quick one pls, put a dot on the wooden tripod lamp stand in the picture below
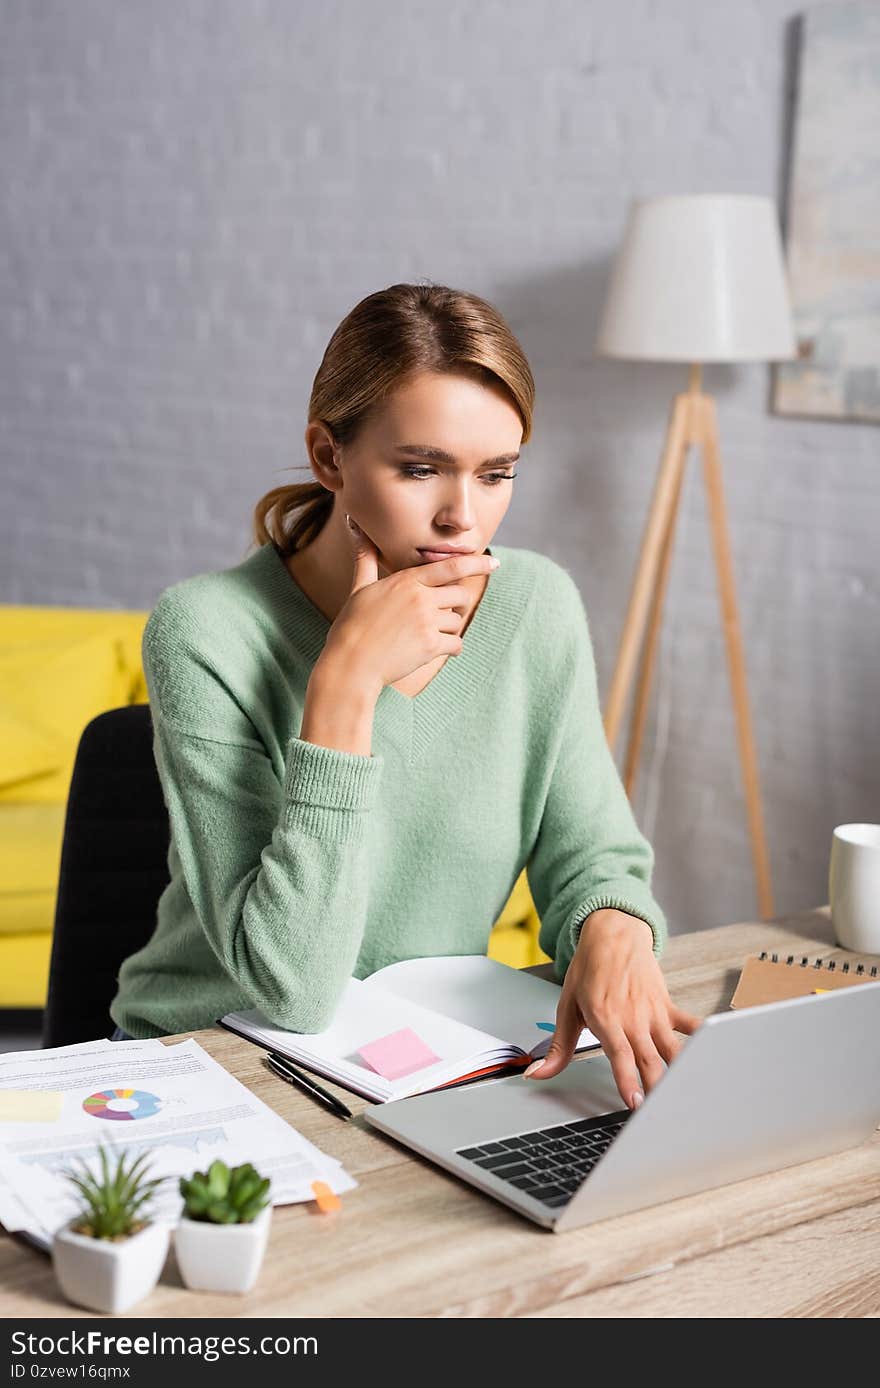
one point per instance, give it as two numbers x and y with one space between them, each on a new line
697 279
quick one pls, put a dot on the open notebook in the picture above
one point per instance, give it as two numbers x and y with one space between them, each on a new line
422 1024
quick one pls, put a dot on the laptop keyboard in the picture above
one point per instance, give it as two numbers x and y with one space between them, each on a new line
550 1163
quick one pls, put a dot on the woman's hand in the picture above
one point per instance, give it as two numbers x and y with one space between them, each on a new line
391 626
614 986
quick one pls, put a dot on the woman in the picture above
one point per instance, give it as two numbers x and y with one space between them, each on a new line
367 728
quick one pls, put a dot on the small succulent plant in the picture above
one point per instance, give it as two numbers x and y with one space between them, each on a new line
222 1195
114 1203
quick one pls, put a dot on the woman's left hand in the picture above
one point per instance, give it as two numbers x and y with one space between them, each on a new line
614 985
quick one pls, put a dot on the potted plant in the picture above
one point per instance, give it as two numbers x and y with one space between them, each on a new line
223 1230
110 1254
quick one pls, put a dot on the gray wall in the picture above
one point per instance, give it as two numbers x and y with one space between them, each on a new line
194 193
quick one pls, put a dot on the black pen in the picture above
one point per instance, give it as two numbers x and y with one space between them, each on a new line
282 1067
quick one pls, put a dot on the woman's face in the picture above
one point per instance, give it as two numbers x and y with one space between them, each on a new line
405 502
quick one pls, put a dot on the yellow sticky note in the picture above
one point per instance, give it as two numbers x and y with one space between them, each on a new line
30 1105
821 990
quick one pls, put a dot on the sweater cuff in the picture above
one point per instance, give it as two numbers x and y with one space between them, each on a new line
623 896
324 787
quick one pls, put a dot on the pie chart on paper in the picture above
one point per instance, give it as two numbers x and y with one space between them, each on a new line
125 1104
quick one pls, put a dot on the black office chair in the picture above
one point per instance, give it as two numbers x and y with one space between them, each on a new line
114 868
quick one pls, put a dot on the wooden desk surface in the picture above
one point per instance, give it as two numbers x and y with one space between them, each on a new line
413 1240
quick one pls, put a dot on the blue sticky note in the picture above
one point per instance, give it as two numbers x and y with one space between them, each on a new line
546 1026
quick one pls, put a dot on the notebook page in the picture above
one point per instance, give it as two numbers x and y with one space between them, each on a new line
363 1016
481 992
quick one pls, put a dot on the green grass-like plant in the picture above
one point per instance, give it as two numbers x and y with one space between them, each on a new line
114 1203
222 1195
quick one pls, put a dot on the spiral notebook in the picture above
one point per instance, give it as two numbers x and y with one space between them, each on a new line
774 977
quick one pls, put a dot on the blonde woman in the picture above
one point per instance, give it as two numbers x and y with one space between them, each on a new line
367 728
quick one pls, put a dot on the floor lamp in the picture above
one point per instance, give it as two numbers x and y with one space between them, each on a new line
697 279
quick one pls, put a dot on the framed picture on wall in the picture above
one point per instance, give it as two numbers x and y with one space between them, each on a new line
833 235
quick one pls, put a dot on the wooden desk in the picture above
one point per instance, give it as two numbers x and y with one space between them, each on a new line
799 1242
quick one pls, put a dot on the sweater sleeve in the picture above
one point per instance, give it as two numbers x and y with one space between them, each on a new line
589 852
277 872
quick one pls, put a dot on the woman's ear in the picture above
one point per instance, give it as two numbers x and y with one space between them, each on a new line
322 450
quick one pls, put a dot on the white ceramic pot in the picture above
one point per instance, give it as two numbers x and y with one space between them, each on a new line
107 1275
221 1257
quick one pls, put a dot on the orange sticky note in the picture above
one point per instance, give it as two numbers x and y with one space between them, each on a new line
325 1197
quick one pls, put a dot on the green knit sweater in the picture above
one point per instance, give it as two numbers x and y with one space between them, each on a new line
295 866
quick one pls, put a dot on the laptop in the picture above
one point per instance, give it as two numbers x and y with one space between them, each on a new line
750 1091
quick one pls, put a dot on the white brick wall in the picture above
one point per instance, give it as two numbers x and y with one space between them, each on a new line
194 193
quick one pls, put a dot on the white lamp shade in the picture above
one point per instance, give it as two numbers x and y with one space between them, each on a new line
699 279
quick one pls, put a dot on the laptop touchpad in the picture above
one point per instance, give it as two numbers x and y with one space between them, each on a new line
455 1118
584 1089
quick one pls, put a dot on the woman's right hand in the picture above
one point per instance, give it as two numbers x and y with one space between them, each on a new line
391 626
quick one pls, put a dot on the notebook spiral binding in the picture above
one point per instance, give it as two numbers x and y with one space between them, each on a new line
830 966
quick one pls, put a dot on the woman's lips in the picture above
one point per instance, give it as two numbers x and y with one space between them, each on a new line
433 556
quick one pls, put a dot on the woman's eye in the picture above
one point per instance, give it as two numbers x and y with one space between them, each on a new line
492 478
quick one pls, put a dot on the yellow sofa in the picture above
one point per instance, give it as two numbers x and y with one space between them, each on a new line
59 668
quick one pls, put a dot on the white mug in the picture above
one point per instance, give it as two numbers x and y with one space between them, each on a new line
854 887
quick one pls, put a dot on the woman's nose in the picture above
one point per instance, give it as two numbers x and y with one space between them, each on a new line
458 509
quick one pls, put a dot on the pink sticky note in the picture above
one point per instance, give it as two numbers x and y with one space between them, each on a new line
399 1053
